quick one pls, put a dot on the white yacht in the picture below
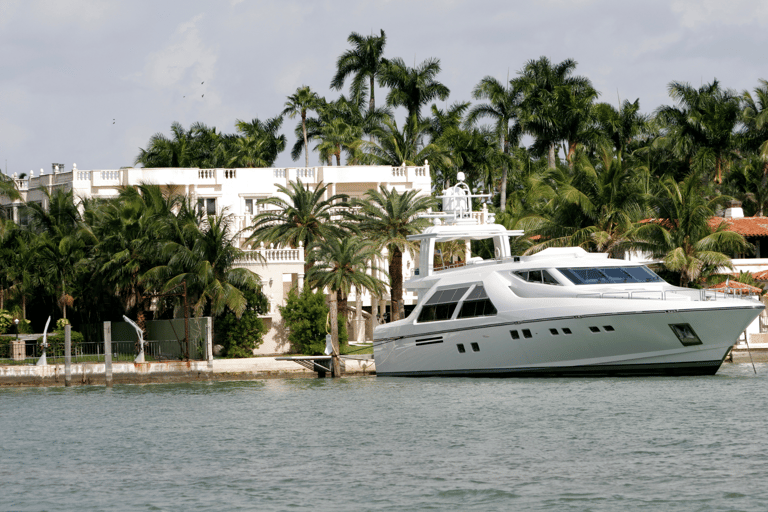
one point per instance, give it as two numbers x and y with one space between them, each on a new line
560 312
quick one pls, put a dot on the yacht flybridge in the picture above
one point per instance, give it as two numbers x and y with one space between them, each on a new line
560 312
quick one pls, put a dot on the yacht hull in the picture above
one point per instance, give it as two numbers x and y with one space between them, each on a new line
589 342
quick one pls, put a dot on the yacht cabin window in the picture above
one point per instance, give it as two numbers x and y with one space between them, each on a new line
477 303
610 275
442 304
536 276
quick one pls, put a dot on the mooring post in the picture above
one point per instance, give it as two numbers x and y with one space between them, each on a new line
209 341
335 365
108 352
67 355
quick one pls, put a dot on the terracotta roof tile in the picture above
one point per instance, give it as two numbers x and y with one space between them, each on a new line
735 286
761 276
747 226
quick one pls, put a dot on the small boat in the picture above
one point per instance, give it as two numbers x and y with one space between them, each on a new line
560 312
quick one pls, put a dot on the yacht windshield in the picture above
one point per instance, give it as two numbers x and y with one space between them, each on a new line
610 275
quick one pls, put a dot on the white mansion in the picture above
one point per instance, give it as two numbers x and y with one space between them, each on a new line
236 192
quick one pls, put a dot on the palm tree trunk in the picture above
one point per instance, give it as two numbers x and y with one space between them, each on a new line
396 275
504 173
551 156
571 153
336 366
304 131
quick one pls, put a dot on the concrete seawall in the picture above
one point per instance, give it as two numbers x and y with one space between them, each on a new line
167 371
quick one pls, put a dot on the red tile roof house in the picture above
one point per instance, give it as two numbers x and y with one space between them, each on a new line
755 230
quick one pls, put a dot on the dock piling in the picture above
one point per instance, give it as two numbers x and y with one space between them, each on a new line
67 355
108 352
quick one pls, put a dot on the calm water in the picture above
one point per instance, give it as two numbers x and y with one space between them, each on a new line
368 443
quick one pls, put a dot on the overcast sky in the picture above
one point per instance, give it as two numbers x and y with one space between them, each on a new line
88 81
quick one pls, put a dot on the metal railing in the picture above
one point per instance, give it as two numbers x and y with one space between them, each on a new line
92 352
691 294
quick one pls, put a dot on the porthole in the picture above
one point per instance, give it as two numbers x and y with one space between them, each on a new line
609 328
475 347
515 335
594 329
554 332
527 333
566 330
461 348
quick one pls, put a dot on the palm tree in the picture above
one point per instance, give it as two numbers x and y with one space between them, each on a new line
340 264
164 152
8 189
681 234
336 136
388 217
551 94
749 181
259 144
595 207
20 266
298 104
755 118
61 244
702 127
131 231
395 147
205 262
413 88
621 127
502 108
298 216
364 61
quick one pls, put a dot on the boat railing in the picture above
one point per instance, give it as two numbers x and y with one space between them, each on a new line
691 294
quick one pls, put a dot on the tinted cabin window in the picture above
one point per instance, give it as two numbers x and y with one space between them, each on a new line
610 275
441 305
536 276
477 303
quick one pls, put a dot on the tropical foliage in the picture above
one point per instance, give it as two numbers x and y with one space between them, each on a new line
568 169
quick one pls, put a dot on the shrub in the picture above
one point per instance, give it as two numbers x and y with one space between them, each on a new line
240 337
6 321
305 316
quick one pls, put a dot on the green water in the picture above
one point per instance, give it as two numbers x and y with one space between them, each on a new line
368 443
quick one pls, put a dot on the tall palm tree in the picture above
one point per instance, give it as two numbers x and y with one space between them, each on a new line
754 115
749 182
621 127
702 127
552 94
413 88
502 108
298 215
364 61
681 234
388 217
299 103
